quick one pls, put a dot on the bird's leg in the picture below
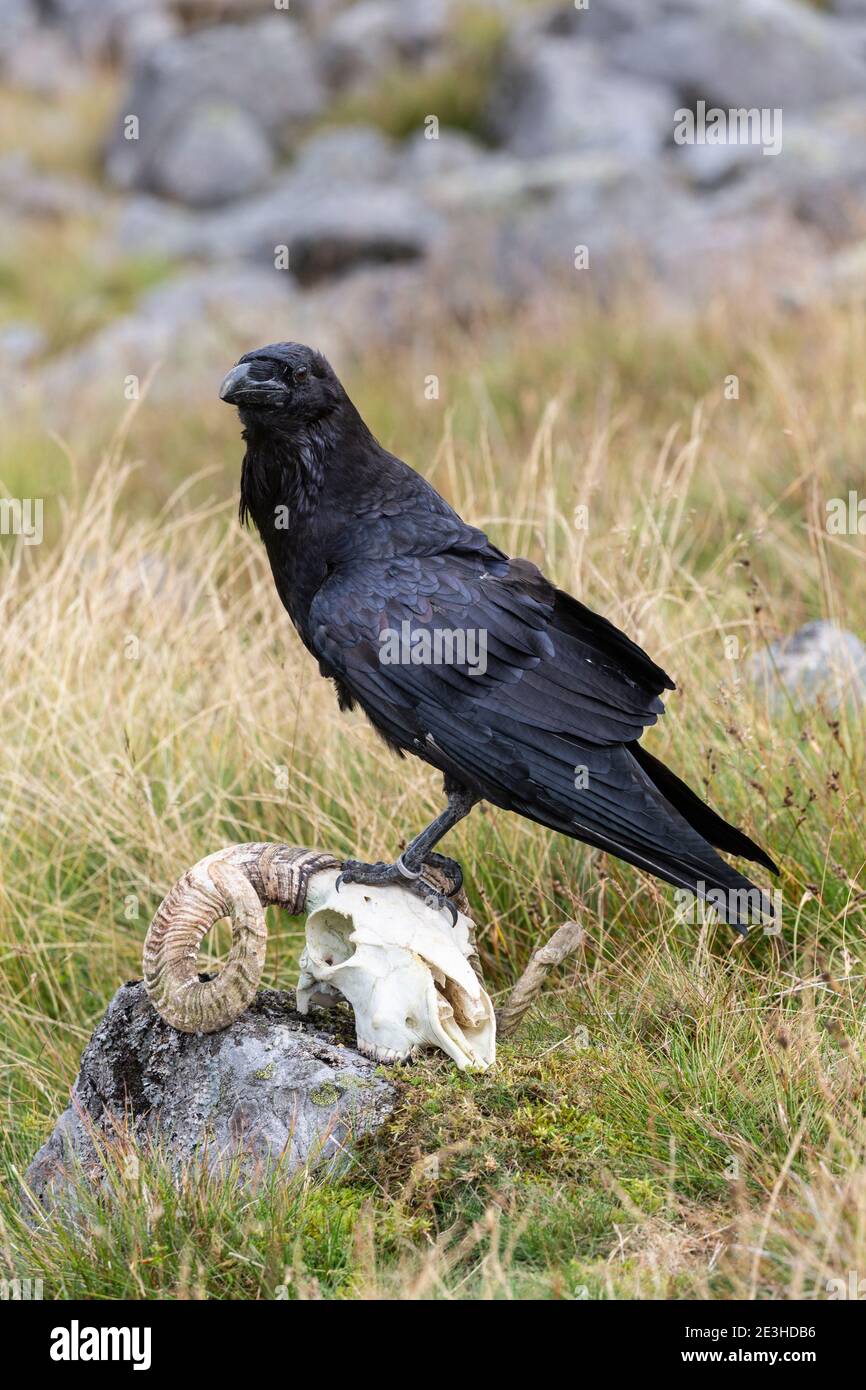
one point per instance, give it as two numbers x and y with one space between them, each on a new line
407 869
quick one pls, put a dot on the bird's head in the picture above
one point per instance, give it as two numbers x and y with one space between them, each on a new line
292 409
283 388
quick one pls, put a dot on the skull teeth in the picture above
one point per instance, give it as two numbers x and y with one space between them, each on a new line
385 1054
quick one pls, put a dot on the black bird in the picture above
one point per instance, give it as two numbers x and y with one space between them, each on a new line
376 569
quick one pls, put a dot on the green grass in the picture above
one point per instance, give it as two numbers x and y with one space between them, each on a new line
455 86
59 277
680 1117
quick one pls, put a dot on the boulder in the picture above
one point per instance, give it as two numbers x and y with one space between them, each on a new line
819 660
267 69
357 153
148 226
274 1089
218 154
105 28
555 95
821 173
367 39
452 152
328 230
763 53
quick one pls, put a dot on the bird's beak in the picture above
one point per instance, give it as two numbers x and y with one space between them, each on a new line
244 386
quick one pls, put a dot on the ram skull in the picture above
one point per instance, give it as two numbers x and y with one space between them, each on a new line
404 969
410 976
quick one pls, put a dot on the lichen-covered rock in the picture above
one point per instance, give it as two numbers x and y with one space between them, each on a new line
819 660
273 1089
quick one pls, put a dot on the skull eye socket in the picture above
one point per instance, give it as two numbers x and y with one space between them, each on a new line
329 937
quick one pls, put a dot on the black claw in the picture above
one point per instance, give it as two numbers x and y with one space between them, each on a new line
451 909
432 899
380 875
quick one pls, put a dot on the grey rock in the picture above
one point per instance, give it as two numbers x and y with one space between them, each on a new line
314 14
220 153
372 306
820 174
185 329
453 152
327 231
500 181
637 225
711 166
764 53
143 30
151 226
369 38
357 153
20 22
556 96
27 192
603 24
20 343
274 1090
42 61
819 660
267 69
99 28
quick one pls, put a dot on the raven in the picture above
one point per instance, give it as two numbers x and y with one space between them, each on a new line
518 693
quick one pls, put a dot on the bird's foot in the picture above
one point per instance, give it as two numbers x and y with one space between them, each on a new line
449 867
377 875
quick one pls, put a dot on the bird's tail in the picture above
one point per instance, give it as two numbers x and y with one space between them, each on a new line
667 831
737 900
698 814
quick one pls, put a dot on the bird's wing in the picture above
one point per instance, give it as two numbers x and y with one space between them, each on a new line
537 716
547 660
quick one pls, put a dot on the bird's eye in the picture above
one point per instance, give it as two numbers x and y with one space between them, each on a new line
300 373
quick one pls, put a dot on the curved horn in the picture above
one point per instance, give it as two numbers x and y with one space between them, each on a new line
239 883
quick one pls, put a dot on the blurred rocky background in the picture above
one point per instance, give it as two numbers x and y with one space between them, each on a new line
181 178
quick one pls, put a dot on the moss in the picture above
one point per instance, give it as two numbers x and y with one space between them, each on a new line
326 1094
455 89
